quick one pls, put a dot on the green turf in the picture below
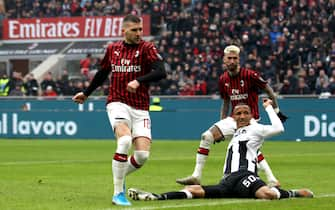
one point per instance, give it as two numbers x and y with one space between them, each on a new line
76 175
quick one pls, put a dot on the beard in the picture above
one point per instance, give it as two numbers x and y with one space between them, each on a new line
233 69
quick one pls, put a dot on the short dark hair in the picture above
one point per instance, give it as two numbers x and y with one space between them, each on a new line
132 18
241 104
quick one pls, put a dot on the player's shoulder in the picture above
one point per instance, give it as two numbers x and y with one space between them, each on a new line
247 70
114 44
224 75
256 128
147 44
250 73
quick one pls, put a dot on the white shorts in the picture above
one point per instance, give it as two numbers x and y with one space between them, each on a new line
227 126
137 120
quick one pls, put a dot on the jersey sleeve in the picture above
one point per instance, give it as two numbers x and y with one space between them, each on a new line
152 53
258 80
276 126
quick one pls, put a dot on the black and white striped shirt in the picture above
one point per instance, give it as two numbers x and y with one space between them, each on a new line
242 150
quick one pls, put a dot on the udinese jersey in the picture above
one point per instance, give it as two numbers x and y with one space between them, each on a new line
242 150
242 88
127 62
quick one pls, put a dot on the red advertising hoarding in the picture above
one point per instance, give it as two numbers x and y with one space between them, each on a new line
66 28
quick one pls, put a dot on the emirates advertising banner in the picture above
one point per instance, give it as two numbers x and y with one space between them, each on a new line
67 28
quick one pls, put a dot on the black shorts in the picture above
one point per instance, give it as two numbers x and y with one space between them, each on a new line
236 185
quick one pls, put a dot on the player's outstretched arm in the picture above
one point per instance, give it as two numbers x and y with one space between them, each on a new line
276 126
273 97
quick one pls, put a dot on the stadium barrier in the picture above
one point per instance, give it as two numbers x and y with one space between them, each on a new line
182 118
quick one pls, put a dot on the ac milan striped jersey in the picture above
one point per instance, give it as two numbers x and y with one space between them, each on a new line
242 88
242 149
126 63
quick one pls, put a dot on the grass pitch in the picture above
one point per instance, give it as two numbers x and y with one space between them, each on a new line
76 175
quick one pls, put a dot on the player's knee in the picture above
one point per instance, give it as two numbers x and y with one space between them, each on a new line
266 193
141 156
123 144
207 139
196 190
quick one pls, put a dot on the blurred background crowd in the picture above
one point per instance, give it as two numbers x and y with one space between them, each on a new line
290 42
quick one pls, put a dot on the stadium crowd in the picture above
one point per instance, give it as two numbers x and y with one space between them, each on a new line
290 42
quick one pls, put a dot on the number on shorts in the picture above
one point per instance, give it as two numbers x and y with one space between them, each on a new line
146 123
247 182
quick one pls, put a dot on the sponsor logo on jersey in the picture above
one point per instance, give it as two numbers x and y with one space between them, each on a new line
116 68
236 96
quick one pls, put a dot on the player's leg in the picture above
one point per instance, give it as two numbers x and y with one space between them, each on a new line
141 132
140 156
216 133
189 192
271 193
264 166
120 120
251 186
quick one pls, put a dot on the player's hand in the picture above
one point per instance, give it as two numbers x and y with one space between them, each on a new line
132 86
79 98
282 117
267 102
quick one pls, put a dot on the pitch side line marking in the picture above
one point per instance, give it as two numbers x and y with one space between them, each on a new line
153 159
207 204
49 162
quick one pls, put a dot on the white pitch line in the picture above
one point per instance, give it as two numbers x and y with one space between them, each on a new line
214 203
152 159
48 162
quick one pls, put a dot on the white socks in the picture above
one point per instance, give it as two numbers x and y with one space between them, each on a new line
137 160
207 140
119 164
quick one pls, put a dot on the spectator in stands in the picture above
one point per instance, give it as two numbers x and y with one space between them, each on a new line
63 84
49 91
31 85
4 85
322 86
311 79
16 91
286 87
85 64
48 81
302 87
331 85
321 79
16 84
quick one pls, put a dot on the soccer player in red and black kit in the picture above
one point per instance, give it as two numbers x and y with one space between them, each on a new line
237 85
132 64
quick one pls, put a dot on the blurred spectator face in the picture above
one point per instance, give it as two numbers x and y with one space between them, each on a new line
301 82
311 72
322 73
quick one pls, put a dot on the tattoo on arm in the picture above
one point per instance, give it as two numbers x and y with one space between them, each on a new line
269 91
225 108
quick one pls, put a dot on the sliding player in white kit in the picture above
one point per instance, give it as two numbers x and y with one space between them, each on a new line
240 178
